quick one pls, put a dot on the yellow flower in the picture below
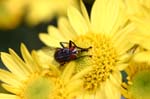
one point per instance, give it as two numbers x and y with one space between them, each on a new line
35 11
65 86
141 18
27 80
44 10
10 13
107 31
138 71
138 84
137 7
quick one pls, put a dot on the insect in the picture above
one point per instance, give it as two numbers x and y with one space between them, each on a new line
69 52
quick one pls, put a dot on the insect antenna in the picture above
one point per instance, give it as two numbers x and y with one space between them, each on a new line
85 49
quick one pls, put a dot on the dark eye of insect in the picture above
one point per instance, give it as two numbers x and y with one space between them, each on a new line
69 53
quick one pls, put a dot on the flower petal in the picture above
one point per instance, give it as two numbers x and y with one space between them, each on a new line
143 57
121 39
100 94
143 34
68 71
9 78
27 58
89 96
77 21
12 89
8 96
85 13
116 78
111 91
51 42
20 63
104 15
12 65
66 29
55 34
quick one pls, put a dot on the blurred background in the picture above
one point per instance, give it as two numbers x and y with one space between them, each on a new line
22 34
21 21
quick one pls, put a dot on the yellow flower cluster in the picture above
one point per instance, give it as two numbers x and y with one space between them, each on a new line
12 12
87 56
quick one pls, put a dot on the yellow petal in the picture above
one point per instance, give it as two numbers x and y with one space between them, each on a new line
8 96
66 29
12 89
133 7
121 66
85 13
37 66
143 57
142 36
27 58
9 78
121 39
89 96
20 63
81 73
11 65
77 21
45 57
55 34
100 93
48 40
104 15
111 91
116 78
68 71
74 86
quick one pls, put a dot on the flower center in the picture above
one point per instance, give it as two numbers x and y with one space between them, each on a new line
103 60
38 87
59 91
140 88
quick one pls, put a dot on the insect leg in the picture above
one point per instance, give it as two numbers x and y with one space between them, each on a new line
71 42
84 56
62 44
82 49
85 49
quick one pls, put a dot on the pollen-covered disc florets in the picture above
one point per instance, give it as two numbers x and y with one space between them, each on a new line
38 88
103 60
141 85
138 85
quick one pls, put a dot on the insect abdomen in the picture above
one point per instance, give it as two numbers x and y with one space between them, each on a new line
62 55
